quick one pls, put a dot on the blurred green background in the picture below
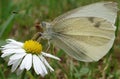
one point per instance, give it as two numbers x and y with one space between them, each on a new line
19 20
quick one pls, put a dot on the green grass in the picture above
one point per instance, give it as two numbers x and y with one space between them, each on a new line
21 26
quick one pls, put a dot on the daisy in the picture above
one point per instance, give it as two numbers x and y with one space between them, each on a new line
25 55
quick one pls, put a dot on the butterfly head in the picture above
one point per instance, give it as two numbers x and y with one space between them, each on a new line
47 30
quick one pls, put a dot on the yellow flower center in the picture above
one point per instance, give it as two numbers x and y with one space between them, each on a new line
32 46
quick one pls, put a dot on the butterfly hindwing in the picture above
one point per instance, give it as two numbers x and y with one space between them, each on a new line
90 37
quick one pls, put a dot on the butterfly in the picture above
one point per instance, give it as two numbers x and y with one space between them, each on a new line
86 33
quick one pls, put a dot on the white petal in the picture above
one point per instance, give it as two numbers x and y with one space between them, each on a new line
39 67
14 51
11 41
27 62
11 62
24 61
35 65
17 56
51 56
6 54
16 64
46 63
9 46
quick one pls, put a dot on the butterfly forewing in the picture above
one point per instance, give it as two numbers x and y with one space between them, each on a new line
82 26
106 10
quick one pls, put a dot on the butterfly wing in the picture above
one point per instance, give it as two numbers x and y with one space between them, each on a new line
86 33
106 10
70 48
84 39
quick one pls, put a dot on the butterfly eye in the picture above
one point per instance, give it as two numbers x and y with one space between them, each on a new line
43 24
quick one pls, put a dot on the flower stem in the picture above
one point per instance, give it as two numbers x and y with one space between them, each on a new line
30 75
23 74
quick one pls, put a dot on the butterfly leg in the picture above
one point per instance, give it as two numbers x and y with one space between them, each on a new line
48 46
37 36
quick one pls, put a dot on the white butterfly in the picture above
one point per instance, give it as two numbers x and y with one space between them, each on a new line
86 33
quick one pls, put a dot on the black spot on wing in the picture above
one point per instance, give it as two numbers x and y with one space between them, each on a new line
97 24
91 19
